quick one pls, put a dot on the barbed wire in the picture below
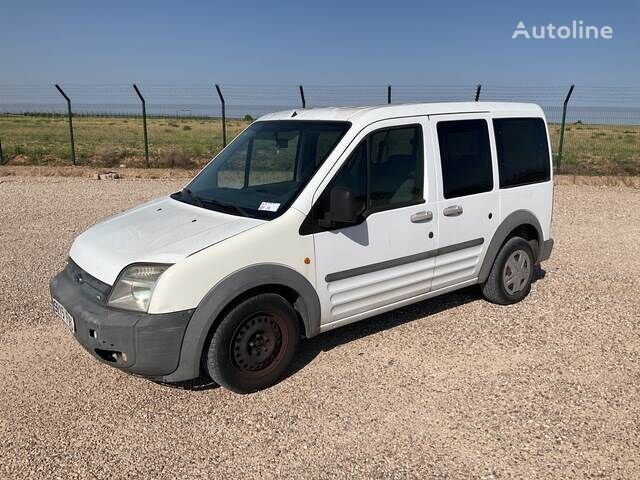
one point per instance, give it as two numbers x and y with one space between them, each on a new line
611 103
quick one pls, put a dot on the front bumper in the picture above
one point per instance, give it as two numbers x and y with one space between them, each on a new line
138 343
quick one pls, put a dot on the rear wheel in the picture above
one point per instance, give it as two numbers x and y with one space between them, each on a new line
510 278
253 346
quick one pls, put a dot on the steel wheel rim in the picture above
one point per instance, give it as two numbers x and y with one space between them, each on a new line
516 272
257 343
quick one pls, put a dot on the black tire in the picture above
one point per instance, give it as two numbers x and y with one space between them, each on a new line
497 289
254 344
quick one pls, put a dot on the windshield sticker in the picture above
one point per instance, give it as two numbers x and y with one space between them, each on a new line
269 206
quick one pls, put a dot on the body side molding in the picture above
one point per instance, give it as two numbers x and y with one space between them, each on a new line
374 267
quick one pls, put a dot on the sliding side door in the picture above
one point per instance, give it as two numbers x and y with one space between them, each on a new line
468 200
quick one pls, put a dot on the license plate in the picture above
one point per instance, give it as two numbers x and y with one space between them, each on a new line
66 317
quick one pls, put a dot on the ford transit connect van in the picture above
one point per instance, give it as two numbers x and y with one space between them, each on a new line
307 221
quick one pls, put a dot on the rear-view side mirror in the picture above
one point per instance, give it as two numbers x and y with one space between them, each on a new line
343 205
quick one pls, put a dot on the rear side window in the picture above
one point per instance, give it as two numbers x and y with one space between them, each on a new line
465 157
523 151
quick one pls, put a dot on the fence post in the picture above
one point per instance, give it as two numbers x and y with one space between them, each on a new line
70 115
304 102
388 93
478 88
144 124
1 155
224 117
564 118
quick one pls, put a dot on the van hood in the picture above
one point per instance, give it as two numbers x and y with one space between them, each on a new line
161 231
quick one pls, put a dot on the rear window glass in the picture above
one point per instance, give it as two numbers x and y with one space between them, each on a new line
523 151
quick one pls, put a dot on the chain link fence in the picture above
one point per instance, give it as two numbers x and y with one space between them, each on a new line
184 125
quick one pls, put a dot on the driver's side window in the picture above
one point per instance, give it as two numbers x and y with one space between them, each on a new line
385 171
352 176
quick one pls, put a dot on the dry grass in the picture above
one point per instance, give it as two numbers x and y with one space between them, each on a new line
113 141
599 149
189 143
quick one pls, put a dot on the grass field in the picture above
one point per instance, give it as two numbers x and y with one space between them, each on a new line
599 149
114 141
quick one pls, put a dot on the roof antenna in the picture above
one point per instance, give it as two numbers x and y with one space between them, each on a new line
294 114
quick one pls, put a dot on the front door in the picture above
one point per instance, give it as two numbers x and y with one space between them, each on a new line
390 255
468 200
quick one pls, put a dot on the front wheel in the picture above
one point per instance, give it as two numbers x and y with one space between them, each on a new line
512 273
254 344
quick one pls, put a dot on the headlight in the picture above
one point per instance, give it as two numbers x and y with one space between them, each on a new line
134 286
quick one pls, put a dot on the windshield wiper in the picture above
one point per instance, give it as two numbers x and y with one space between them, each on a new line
226 206
193 199
189 197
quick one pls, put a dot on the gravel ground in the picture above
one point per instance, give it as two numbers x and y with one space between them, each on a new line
449 388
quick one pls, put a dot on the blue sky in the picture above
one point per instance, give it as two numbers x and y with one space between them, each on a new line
315 42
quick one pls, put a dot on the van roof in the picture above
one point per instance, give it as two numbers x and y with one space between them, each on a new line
379 112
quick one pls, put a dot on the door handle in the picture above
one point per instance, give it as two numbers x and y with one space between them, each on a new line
421 217
452 211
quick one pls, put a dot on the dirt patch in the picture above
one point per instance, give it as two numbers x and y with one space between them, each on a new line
91 172
175 158
449 388
598 181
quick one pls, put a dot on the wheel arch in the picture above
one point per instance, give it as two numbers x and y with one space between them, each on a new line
521 223
242 284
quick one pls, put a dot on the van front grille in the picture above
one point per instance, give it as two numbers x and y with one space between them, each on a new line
79 276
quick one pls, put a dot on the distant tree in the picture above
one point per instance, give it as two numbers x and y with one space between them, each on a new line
247 118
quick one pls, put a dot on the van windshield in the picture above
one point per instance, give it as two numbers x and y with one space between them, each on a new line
264 169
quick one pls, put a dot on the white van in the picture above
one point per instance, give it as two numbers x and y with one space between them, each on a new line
307 221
